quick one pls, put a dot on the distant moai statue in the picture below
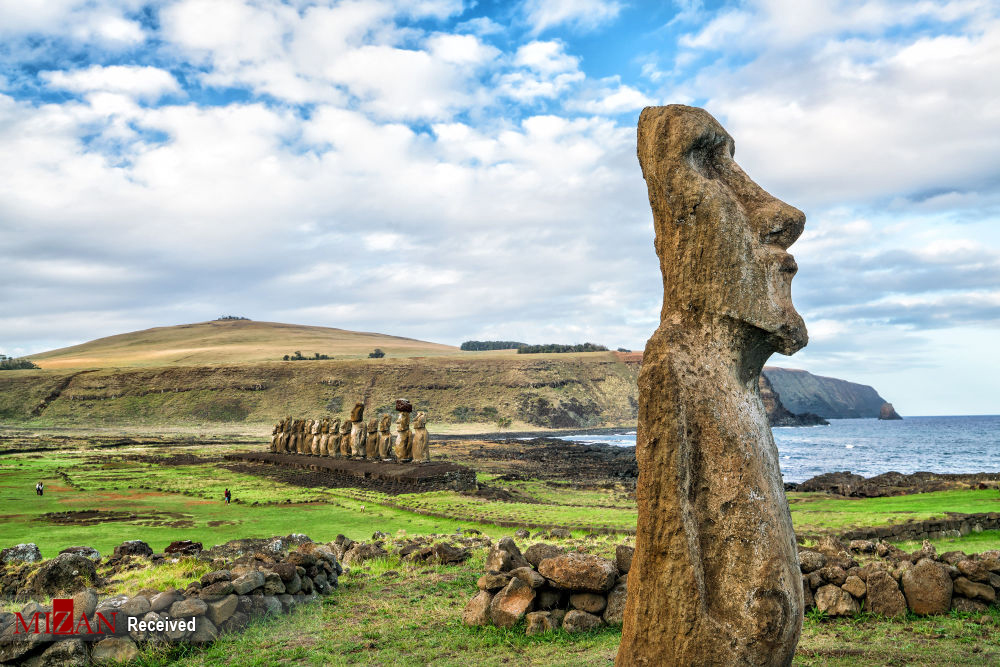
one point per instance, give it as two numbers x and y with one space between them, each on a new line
332 428
293 436
284 434
371 446
316 428
403 435
345 439
275 434
359 432
385 438
305 437
420 448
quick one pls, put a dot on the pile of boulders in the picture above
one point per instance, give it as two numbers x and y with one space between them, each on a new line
890 581
245 582
429 549
550 588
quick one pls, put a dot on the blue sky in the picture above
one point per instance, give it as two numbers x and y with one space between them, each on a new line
453 170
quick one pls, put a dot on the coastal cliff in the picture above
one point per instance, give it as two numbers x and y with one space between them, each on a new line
778 414
827 397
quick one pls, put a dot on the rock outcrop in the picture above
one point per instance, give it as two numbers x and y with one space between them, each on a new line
888 413
778 414
709 492
831 398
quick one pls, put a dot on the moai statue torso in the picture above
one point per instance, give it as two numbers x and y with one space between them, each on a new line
715 576
293 437
359 432
305 438
333 443
371 445
283 434
403 434
316 431
275 432
345 439
385 438
419 447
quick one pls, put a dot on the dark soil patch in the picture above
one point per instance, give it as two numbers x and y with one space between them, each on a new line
554 459
94 517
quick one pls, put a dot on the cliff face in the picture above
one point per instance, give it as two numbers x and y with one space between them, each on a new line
778 414
827 397
888 412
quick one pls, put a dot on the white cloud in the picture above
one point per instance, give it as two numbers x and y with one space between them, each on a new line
148 83
611 100
581 15
80 20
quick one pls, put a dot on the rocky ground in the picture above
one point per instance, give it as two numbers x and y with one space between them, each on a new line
894 484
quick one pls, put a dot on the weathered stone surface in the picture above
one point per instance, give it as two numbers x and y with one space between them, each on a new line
522 533
833 574
615 610
21 553
221 609
529 576
493 581
66 573
477 612
447 554
65 653
591 602
708 467
623 557
835 601
974 590
927 588
972 570
137 606
539 551
87 552
575 571
113 649
808 602
968 606
810 561
133 548
504 556
215 577
547 598
855 587
188 608
163 600
580 621
360 552
218 588
85 602
183 548
512 603
248 582
539 622
204 631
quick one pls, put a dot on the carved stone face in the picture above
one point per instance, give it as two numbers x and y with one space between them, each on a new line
384 422
420 420
721 238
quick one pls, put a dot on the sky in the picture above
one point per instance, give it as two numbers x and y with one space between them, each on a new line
452 170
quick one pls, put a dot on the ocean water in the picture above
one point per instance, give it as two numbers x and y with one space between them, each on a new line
871 447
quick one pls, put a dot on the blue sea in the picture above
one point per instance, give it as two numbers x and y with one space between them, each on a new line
870 447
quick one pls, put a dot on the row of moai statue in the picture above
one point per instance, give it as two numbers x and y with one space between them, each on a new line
352 438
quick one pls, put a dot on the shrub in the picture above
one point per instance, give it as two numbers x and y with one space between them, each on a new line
12 364
555 347
479 345
377 354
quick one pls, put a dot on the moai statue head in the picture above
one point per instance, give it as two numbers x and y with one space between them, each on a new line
345 427
334 425
315 427
403 421
721 239
358 413
384 423
372 425
420 421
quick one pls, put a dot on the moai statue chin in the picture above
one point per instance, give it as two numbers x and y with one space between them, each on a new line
420 448
715 577
403 438
385 438
359 432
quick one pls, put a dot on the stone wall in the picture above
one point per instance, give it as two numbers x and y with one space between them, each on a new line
551 588
250 578
956 525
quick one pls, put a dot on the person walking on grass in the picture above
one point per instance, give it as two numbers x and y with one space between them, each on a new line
228 496
40 488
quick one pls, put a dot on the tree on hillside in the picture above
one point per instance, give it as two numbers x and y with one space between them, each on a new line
377 354
12 364
479 345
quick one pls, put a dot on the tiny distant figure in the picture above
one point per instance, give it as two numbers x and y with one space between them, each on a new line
228 496
39 489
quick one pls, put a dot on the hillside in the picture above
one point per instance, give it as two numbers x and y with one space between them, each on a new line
827 397
228 342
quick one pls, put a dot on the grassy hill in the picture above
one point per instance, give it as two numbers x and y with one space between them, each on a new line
228 342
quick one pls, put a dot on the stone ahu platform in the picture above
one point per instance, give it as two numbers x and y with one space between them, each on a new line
305 470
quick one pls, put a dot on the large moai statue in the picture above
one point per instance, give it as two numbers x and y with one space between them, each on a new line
359 432
715 577
371 443
285 433
403 435
305 437
315 431
330 436
385 438
345 439
293 437
419 446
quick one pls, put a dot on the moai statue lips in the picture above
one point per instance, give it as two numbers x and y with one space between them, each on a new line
715 577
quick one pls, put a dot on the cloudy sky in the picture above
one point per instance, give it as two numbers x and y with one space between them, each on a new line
453 170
